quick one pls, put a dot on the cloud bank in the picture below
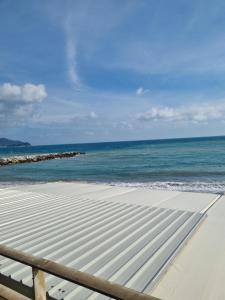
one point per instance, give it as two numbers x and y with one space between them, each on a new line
194 113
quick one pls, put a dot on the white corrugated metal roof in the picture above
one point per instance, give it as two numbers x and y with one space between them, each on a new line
198 272
126 243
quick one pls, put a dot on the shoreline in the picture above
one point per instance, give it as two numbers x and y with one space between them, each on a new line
152 186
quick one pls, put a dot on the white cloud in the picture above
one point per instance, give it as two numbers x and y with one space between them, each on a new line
92 116
71 53
84 25
122 125
17 102
71 61
141 91
194 113
26 93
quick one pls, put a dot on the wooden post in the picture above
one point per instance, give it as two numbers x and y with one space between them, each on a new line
39 284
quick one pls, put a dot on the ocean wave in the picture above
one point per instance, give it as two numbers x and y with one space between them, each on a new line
198 186
206 187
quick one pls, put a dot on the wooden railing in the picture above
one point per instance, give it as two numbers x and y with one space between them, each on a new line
40 266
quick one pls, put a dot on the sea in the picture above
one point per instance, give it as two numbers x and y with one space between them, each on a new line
186 164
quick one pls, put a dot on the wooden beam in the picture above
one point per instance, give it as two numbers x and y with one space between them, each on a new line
86 280
9 294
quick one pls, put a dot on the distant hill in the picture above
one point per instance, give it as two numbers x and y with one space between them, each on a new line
10 143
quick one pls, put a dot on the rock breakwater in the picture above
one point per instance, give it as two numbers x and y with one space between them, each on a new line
36 158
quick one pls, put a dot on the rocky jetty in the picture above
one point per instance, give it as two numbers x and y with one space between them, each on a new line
36 158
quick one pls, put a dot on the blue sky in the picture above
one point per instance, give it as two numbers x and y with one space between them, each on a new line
87 71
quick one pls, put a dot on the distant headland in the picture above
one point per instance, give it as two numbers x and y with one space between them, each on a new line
4 142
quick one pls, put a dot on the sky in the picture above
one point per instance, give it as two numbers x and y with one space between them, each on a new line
91 71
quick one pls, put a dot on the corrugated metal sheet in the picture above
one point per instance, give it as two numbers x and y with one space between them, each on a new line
125 243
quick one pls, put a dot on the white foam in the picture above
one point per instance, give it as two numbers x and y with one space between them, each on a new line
198 186
209 187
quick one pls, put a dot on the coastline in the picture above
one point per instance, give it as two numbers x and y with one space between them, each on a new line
196 165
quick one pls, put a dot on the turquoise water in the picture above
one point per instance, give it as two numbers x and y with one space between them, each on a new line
195 164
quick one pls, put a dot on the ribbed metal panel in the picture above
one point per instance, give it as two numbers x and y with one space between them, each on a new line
125 243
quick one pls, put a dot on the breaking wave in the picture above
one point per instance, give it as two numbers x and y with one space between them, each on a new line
206 187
